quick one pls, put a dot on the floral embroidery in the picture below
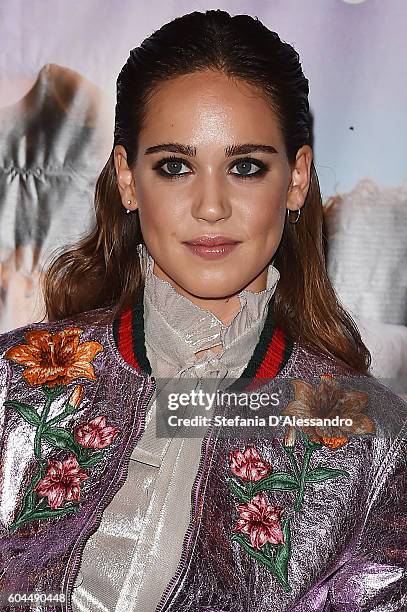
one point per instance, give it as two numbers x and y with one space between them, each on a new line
95 434
269 535
61 482
326 401
76 396
260 521
53 361
260 530
249 465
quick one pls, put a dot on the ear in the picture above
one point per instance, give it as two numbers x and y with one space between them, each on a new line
125 180
300 178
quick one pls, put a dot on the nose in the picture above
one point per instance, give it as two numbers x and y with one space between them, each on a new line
211 202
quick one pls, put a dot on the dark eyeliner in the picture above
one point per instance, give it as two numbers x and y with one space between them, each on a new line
263 168
163 161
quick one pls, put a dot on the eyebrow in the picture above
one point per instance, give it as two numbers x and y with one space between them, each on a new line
237 149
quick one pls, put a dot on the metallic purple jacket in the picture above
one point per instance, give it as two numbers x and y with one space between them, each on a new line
283 522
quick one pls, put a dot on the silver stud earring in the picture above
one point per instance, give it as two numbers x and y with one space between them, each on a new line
128 202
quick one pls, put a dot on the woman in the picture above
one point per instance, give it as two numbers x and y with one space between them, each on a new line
206 263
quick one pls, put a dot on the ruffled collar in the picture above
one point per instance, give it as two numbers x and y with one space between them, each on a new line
176 328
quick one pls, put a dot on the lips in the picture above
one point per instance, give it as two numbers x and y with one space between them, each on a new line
211 241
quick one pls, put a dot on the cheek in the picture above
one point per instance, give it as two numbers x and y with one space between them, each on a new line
159 217
264 216
159 200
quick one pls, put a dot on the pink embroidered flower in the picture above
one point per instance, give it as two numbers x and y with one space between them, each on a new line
61 481
249 465
95 433
260 521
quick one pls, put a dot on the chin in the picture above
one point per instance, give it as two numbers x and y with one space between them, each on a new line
214 288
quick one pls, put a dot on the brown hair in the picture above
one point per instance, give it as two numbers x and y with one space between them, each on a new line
103 268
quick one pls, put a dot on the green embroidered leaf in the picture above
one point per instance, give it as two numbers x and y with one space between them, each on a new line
61 438
24 410
261 557
321 473
29 496
284 550
41 514
239 491
278 481
95 458
268 549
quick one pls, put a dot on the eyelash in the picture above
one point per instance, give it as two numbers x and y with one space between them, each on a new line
172 158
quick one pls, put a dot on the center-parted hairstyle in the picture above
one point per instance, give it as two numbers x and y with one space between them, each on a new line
103 268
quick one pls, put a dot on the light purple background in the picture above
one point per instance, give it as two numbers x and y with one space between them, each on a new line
353 54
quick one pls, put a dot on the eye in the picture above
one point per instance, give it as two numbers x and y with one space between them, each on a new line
245 165
174 167
171 167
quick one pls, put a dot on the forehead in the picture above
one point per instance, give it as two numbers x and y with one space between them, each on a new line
210 105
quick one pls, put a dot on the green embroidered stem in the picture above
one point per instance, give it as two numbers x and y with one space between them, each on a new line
41 425
293 461
304 469
59 417
94 458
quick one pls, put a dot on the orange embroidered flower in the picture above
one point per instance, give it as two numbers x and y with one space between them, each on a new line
76 396
327 401
289 437
260 521
249 465
61 481
55 359
95 433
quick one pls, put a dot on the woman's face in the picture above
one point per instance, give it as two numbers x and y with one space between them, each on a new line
200 172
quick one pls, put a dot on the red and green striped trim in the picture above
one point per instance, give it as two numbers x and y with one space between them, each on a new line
269 357
128 333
